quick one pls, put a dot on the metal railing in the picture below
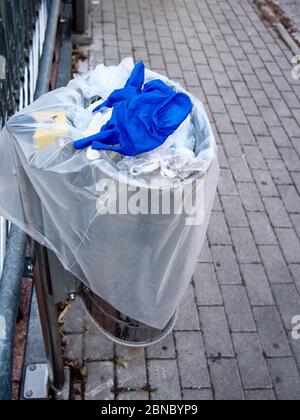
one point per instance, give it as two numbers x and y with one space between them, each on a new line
22 33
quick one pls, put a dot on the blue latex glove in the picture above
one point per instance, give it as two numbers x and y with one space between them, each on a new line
142 119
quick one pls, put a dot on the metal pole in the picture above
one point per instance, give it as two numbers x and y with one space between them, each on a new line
49 319
42 278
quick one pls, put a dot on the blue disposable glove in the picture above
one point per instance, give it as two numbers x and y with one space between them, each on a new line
142 119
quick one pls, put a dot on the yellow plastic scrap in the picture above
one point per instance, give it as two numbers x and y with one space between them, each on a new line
51 127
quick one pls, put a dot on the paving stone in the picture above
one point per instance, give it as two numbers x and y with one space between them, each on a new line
265 183
260 395
197 395
133 396
268 148
250 197
254 157
226 265
164 379
276 267
226 380
188 315
191 360
244 246
216 332
96 345
223 122
295 345
244 134
290 245
280 137
73 347
290 198
226 183
285 377
218 231
100 381
206 286
240 169
295 270
234 212
262 229
258 288
252 365
163 350
231 145
271 332
238 309
277 212
279 172
290 158
258 126
288 302
134 376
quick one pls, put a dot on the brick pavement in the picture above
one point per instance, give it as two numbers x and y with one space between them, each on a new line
233 337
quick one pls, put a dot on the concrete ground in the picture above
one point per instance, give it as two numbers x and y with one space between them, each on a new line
233 339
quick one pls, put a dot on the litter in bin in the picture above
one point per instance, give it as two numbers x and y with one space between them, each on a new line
144 116
87 206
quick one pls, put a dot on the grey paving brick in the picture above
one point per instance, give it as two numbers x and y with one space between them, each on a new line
262 229
271 332
290 158
191 360
257 285
253 368
238 309
279 172
276 268
218 231
236 114
226 265
188 314
244 245
134 376
226 183
260 395
100 381
288 302
291 127
216 104
164 379
295 270
258 126
231 145
133 396
265 183
234 212
250 197
290 198
277 212
280 137
223 122
226 380
240 169
96 345
216 332
254 157
285 377
217 204
197 395
73 347
268 148
163 350
296 179
290 244
295 345
244 134
206 286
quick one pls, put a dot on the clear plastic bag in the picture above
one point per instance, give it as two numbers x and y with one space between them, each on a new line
139 260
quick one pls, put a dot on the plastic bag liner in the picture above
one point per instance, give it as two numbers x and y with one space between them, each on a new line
140 260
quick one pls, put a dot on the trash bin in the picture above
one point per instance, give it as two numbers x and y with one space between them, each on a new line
132 239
